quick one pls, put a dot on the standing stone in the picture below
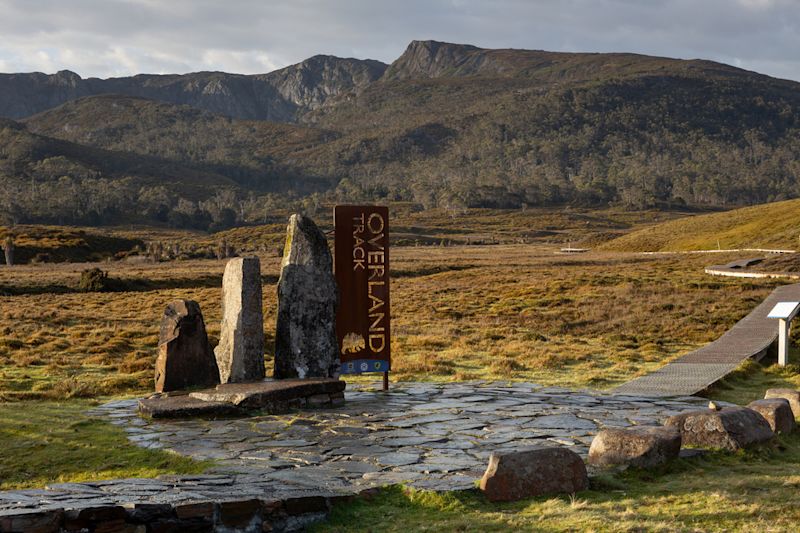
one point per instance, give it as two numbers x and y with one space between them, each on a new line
8 250
305 337
240 353
517 475
184 353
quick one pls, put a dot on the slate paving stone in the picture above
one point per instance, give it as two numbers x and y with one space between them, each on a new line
411 441
432 435
398 459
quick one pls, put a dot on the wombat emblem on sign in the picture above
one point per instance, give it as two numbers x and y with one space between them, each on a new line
353 343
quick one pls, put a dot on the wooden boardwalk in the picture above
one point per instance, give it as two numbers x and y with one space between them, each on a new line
695 371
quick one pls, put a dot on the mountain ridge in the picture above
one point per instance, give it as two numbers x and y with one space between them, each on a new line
458 126
279 95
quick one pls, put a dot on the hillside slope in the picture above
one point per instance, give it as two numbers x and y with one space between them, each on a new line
455 126
774 225
254 154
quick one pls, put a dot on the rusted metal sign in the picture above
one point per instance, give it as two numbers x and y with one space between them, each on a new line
362 272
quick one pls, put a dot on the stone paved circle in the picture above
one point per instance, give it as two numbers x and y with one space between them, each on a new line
433 436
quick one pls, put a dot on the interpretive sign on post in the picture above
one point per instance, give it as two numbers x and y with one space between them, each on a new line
785 313
361 265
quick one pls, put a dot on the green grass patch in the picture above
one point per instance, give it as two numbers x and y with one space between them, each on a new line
747 491
49 442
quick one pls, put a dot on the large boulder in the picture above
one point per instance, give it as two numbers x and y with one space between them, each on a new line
640 446
240 353
730 428
517 475
790 395
305 336
184 357
777 412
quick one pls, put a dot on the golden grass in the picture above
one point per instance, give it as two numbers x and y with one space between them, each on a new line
774 225
470 312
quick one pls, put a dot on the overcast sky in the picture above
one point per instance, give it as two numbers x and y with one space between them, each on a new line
122 37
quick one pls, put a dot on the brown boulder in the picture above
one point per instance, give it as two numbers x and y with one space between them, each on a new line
777 413
641 446
730 428
185 358
517 475
790 395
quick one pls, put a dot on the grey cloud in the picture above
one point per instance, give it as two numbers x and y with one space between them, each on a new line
121 37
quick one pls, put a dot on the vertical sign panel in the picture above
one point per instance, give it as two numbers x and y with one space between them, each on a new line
362 272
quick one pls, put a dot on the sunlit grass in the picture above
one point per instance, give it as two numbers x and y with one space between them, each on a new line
746 491
515 312
49 442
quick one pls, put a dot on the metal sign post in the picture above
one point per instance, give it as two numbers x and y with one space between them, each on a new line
361 263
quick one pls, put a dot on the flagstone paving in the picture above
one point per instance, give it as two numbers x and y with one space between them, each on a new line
427 435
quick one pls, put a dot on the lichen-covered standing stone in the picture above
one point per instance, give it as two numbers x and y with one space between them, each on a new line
305 336
184 357
240 353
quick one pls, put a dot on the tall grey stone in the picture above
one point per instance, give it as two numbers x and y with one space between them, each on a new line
305 337
240 353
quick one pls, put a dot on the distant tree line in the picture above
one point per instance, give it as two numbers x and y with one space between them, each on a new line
99 201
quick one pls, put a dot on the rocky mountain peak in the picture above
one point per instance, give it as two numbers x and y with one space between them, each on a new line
309 84
431 59
66 77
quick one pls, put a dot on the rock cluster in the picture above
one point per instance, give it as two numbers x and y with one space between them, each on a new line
306 345
305 336
184 357
240 353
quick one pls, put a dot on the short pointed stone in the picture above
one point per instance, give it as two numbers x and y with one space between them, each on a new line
184 357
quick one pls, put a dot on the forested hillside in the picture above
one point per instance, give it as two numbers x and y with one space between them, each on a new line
444 126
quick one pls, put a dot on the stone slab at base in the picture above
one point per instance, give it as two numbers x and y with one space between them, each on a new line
271 396
184 406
